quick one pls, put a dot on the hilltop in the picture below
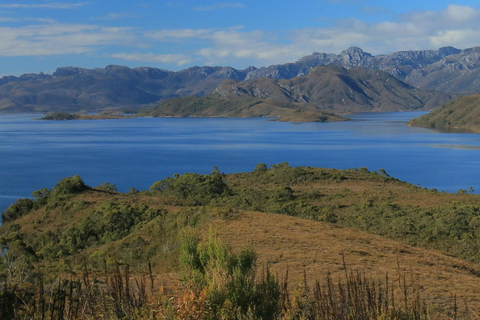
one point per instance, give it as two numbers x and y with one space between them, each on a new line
302 219
462 114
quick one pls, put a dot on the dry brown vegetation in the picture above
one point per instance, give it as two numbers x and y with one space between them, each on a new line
316 248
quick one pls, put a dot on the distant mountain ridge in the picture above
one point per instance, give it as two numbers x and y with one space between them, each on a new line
447 70
338 89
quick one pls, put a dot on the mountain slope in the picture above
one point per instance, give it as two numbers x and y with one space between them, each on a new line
456 73
338 89
461 114
400 64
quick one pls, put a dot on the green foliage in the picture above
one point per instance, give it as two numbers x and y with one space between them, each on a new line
69 185
228 278
108 187
261 167
196 189
113 220
66 186
18 209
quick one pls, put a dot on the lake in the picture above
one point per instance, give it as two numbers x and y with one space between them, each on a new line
138 152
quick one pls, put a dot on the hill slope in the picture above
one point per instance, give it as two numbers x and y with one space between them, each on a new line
340 90
300 218
462 114
244 107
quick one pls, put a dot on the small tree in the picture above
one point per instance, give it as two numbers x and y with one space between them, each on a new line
107 186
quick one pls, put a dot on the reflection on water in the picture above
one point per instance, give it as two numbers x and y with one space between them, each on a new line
138 152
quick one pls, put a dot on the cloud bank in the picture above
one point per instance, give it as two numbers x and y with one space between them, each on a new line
456 25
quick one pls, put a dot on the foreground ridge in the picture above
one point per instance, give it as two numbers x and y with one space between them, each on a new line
300 219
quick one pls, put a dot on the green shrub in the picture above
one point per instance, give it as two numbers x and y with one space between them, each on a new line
18 209
197 189
228 278
107 186
69 185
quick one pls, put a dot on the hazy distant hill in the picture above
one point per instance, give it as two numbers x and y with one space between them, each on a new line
460 114
447 69
340 90
400 64
78 89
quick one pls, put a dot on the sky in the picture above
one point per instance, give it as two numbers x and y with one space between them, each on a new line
39 36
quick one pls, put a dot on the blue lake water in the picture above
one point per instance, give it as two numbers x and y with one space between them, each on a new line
138 152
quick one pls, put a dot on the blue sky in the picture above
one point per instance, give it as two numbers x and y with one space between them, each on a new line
42 35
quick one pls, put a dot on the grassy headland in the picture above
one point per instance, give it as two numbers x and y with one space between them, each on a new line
316 223
462 114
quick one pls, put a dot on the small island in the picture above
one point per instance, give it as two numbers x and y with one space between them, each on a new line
62 116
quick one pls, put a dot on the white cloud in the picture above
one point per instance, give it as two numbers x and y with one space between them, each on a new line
178 59
455 25
54 39
461 13
462 38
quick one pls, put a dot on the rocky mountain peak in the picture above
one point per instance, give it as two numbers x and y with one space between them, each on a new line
70 71
354 57
446 51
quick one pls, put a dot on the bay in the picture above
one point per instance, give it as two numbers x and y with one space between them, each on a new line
138 152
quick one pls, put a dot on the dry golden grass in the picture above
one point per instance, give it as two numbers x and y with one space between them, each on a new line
316 248
304 246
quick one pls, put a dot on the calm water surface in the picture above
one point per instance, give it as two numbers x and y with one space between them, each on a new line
138 152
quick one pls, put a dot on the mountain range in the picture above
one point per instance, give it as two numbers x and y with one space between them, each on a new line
448 70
